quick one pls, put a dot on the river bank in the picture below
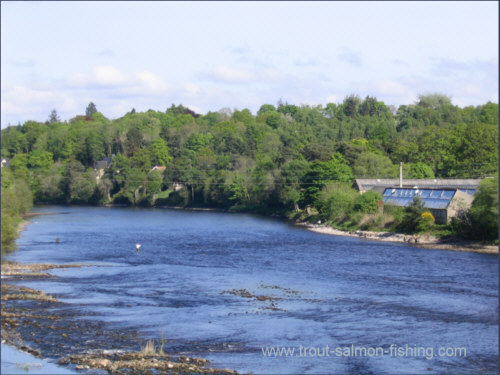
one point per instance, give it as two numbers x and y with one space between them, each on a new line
423 241
25 220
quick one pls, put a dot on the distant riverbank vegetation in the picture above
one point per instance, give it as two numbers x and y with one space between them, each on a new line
297 161
16 201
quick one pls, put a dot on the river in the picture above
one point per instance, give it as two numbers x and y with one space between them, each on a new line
224 286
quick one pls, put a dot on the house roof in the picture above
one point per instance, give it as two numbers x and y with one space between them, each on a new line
103 163
159 168
433 198
438 183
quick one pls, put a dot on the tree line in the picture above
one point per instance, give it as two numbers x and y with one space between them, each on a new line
284 158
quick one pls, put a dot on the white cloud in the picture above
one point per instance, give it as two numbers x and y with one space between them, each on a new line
110 88
102 76
227 74
34 104
118 84
151 81
109 76
28 96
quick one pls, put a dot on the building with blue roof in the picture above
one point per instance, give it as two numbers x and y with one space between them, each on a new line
442 203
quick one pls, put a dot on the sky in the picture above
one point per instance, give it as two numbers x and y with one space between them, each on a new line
213 55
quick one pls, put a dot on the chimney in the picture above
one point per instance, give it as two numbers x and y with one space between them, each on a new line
400 174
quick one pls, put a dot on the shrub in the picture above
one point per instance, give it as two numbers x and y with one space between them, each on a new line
412 216
368 202
336 202
426 221
397 212
427 216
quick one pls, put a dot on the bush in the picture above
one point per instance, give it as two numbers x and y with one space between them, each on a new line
336 202
412 216
426 221
368 202
397 212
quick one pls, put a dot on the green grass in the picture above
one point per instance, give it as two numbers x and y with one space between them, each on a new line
164 194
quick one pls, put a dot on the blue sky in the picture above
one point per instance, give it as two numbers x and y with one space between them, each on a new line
211 55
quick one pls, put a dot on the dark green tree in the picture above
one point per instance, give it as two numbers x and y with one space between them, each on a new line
81 184
418 170
374 165
321 173
160 154
413 215
351 105
54 117
484 211
40 159
264 108
90 110
434 101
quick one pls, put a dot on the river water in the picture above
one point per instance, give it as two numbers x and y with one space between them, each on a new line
198 276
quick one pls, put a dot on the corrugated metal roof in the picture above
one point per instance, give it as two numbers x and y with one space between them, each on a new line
433 198
465 184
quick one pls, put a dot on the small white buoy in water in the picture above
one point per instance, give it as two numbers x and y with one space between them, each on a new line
138 247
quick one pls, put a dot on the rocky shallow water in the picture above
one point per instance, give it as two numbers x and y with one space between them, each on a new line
40 325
